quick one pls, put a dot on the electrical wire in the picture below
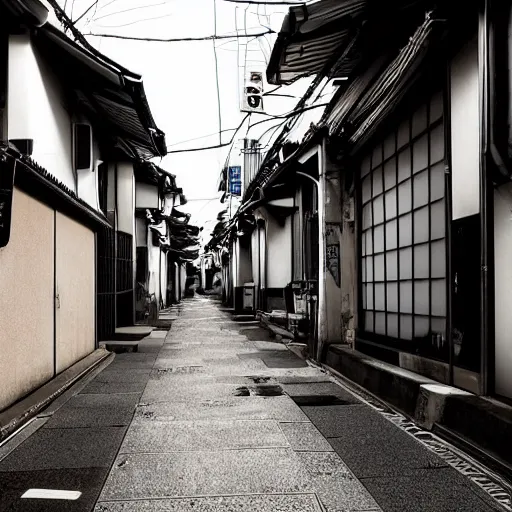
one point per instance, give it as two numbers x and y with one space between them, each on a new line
217 70
175 40
94 4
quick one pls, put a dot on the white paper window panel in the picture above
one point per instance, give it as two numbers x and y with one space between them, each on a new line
380 297
391 235
405 256
421 326
438 325
437 181
378 210
380 323
369 241
420 154
378 185
406 327
365 165
404 164
438 264
390 200
420 189
363 269
367 188
392 265
393 325
422 297
367 216
369 269
377 155
379 267
364 295
405 230
389 145
419 120
439 297
437 220
369 296
437 144
404 197
390 173
421 261
378 239
436 107
363 243
392 295
368 321
421 225
403 135
406 297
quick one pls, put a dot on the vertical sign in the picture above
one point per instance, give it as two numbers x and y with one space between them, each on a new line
235 180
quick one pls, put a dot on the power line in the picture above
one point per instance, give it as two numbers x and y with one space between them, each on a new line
217 70
259 2
175 40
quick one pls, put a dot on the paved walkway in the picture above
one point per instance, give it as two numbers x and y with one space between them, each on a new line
212 416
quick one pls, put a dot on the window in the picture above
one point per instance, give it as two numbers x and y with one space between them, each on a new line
403 246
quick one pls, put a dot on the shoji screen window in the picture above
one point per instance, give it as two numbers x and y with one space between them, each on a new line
403 230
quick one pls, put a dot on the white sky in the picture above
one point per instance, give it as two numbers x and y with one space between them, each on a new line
179 78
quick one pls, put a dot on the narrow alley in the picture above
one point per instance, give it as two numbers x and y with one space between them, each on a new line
214 415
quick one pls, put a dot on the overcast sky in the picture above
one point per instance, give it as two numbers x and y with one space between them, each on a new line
180 78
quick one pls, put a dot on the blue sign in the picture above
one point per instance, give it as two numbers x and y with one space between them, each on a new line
235 180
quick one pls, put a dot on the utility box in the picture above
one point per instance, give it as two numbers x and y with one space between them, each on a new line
248 300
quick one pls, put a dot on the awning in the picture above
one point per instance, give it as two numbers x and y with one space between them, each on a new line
310 36
381 96
113 100
33 13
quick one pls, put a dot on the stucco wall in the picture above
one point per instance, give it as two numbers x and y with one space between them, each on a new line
26 300
37 110
465 132
75 287
279 252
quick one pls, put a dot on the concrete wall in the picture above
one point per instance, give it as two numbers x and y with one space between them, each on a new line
465 132
163 277
75 288
26 300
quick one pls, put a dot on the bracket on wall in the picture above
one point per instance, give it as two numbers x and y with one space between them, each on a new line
7 170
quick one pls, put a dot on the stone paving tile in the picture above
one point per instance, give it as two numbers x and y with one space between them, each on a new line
172 390
335 485
359 434
180 474
321 388
118 375
432 490
70 448
95 411
161 437
88 481
97 387
236 408
252 503
305 437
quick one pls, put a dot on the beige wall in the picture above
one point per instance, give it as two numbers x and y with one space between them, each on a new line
26 300
75 315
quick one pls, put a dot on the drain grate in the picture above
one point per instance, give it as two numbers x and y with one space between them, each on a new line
319 400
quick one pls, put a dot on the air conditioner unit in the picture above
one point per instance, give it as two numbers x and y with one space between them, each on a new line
252 97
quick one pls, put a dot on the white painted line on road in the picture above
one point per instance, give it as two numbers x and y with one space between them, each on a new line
51 494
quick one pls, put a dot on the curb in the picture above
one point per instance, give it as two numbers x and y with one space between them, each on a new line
21 412
433 406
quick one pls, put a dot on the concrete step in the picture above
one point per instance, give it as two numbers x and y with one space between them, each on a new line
120 346
473 420
132 332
